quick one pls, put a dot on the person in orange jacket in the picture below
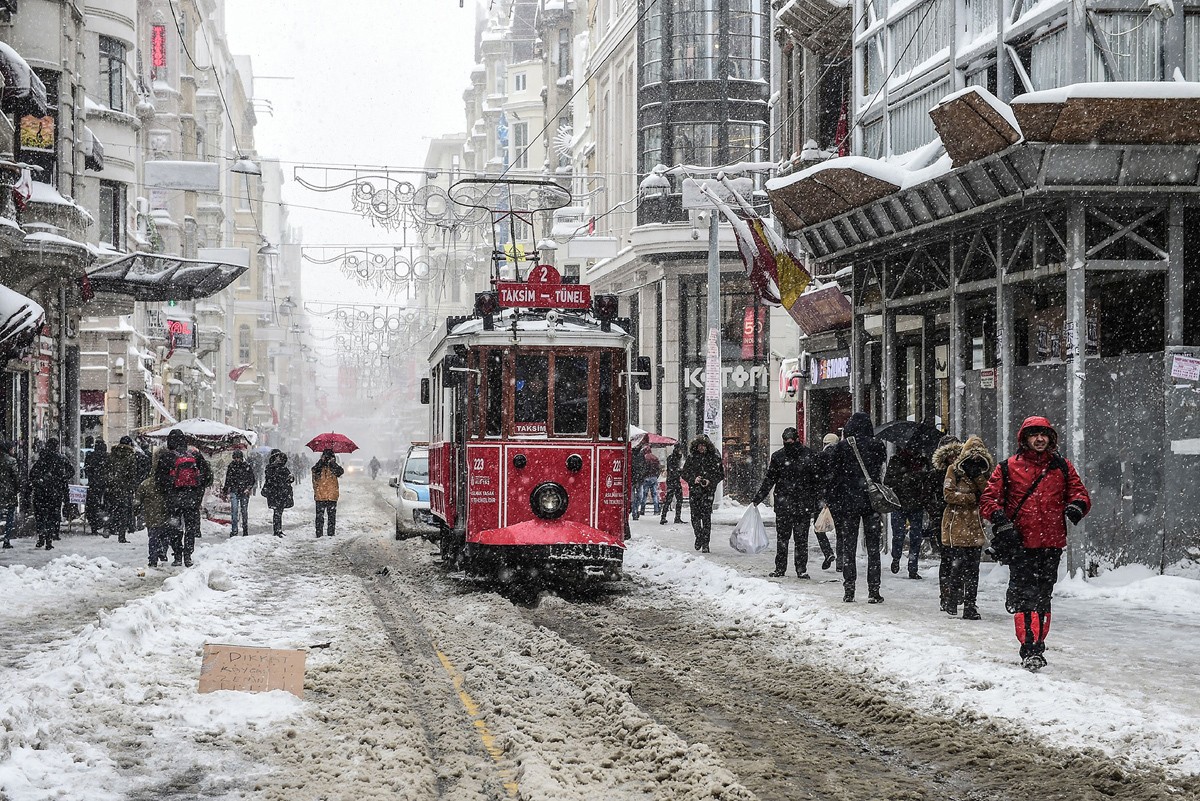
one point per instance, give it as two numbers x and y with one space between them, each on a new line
325 475
1029 499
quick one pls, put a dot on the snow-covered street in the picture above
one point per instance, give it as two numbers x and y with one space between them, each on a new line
699 677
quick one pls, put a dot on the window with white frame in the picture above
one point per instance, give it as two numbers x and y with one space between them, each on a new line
872 50
1191 46
695 143
911 126
112 73
1045 60
920 34
651 41
872 136
651 148
519 82
520 143
982 18
1126 47
111 214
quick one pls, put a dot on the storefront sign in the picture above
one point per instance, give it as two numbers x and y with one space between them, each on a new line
1185 367
753 328
831 368
181 334
545 296
739 377
789 379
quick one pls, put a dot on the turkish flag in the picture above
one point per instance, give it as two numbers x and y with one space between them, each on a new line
236 372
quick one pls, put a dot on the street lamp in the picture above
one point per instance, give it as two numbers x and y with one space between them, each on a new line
244 166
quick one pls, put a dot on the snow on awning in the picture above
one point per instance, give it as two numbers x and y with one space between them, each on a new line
155 277
203 368
1114 112
20 320
158 406
23 92
93 151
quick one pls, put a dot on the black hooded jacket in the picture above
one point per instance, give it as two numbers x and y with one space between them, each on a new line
846 489
798 476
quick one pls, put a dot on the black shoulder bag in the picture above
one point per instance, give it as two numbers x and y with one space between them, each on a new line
882 498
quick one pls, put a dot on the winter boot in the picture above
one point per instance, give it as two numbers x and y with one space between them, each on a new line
971 613
874 597
848 597
121 539
895 564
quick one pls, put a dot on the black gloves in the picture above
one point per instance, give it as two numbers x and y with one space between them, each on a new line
1005 539
999 517
1075 512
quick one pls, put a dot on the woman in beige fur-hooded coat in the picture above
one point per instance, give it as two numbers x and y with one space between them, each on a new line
962 526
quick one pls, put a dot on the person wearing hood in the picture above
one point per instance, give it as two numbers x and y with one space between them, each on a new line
158 524
798 477
846 494
674 483
122 481
95 468
277 488
326 489
1029 499
962 527
239 484
948 449
182 476
703 471
49 478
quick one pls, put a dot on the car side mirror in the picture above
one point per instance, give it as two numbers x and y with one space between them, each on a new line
645 374
393 482
424 391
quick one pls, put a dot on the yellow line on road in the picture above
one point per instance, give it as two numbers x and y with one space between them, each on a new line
485 735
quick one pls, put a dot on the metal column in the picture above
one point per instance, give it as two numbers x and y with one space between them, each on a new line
857 342
1005 355
954 371
1174 308
889 365
1077 321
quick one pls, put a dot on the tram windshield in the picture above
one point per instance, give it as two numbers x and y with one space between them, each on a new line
570 394
530 411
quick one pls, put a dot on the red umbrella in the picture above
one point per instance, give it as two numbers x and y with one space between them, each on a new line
338 443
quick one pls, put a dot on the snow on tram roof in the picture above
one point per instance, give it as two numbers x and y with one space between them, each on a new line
567 323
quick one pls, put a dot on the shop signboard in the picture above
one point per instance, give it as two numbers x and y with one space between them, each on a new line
735 377
830 368
181 334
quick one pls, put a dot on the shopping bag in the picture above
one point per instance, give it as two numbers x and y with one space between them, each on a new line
749 535
824 524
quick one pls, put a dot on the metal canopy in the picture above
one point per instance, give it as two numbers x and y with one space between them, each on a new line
1022 175
154 277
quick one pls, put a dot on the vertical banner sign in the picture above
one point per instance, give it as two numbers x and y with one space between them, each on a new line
712 389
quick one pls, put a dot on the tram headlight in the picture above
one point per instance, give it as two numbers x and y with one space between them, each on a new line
549 501
574 462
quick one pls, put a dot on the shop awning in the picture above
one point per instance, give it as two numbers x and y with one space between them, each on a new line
23 92
155 277
158 407
93 151
20 320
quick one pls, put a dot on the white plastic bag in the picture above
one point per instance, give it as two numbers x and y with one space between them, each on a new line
749 535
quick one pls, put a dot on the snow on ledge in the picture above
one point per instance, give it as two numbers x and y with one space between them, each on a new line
1132 90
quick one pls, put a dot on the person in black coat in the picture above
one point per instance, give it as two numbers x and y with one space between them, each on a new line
95 468
239 483
703 471
798 476
49 477
277 488
674 484
182 475
846 494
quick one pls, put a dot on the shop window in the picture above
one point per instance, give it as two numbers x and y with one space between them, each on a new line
695 143
112 73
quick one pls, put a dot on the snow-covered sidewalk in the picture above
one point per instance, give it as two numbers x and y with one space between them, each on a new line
1124 653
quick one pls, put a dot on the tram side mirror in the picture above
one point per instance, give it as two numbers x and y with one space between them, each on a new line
645 374
425 391
453 370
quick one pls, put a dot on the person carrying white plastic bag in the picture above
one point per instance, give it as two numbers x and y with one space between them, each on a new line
749 535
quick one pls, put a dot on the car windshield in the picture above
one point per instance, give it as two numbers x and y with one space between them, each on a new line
416 470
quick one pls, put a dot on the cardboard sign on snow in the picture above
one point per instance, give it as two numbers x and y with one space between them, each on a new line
251 669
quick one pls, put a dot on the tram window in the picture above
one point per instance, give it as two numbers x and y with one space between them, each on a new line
530 408
495 393
570 394
604 402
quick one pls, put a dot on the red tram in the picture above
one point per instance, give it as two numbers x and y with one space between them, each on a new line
529 454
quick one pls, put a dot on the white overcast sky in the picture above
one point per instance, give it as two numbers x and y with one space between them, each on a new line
372 82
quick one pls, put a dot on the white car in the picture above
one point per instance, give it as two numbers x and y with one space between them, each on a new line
413 517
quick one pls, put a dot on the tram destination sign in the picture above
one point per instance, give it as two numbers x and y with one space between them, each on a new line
544 296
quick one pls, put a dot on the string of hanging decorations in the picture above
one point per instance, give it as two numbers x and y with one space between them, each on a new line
392 269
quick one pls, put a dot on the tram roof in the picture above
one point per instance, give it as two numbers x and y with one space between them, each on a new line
533 328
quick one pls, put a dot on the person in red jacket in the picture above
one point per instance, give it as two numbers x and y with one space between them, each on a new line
1029 498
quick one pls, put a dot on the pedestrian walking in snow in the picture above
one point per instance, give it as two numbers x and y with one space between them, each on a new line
49 477
962 526
846 494
674 484
948 449
648 489
182 476
153 507
277 488
797 475
239 484
10 489
122 481
95 468
325 475
703 471
827 444
373 466
907 473
637 474
1028 499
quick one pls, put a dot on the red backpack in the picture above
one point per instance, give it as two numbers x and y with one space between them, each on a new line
185 473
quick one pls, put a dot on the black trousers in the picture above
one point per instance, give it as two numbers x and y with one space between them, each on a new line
794 524
702 504
183 540
120 520
673 491
847 537
326 508
962 583
1031 578
277 520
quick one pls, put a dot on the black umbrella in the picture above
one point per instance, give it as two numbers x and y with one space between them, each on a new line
918 436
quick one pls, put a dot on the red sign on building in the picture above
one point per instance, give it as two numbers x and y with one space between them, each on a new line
545 296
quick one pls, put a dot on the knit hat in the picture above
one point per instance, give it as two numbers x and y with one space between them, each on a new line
126 440
831 439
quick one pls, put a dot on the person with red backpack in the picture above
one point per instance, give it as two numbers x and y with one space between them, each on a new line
1028 499
182 476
